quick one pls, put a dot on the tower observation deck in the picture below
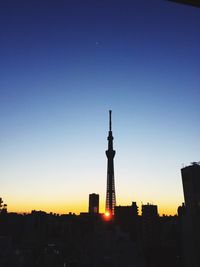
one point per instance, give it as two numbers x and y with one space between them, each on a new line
110 153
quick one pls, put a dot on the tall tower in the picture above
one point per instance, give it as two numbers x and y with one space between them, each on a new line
110 153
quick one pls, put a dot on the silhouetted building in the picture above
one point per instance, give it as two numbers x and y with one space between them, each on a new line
93 203
127 218
191 217
150 223
127 212
110 153
191 187
150 230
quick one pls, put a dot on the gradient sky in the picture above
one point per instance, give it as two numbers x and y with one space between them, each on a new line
63 65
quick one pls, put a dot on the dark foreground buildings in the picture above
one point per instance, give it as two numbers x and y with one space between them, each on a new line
48 240
150 224
125 239
88 240
190 215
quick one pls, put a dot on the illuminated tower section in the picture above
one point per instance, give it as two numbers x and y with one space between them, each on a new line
110 153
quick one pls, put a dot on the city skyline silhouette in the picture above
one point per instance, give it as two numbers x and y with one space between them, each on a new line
63 66
99 133
110 199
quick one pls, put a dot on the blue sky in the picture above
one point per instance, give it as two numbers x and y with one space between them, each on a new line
64 64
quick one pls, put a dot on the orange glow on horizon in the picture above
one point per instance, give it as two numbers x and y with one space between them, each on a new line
77 209
77 206
107 216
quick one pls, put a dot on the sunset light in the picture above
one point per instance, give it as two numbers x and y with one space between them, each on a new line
107 216
99 104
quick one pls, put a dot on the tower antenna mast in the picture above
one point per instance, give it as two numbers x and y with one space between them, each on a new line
110 120
110 153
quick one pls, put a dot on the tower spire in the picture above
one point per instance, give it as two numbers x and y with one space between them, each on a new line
110 120
110 153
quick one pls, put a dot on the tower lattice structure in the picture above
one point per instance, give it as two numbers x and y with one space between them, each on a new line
110 153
